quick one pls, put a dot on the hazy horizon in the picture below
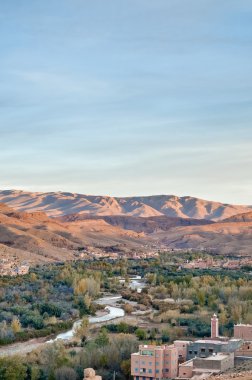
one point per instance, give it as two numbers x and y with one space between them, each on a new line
125 98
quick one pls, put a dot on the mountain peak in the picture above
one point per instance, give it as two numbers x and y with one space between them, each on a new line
63 203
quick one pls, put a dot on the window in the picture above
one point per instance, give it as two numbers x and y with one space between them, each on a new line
136 369
146 352
157 363
190 352
196 352
150 371
203 350
166 370
157 370
150 363
137 377
210 350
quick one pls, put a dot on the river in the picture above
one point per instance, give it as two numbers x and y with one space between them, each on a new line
113 312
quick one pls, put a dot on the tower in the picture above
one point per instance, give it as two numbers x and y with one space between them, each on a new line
214 327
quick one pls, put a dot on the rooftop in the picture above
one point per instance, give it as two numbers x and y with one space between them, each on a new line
218 356
189 363
216 341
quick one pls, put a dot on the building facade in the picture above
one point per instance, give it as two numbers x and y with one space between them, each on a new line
212 365
206 347
154 362
242 331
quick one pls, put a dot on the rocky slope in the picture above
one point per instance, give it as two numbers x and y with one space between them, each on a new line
52 226
224 238
240 218
62 203
37 238
148 225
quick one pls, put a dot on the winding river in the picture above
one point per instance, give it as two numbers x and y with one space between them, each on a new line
113 312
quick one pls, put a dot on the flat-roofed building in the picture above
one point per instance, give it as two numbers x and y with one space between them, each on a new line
212 365
206 347
154 362
185 370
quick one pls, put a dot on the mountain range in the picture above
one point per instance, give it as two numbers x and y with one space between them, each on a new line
56 204
41 227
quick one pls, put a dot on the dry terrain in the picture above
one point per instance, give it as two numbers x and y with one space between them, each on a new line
54 226
38 238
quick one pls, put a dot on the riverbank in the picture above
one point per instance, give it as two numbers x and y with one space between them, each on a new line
112 312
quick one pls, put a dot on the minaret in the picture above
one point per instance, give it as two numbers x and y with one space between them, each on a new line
214 327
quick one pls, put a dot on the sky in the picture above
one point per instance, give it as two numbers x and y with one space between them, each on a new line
130 97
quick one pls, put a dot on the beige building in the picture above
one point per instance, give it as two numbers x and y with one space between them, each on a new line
182 347
212 365
154 362
245 350
243 332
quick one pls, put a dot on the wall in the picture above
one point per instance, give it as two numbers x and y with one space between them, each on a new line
185 371
243 332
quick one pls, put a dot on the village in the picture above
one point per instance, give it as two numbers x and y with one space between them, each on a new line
196 360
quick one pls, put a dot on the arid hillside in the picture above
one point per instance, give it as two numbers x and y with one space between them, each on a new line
148 225
39 229
224 238
244 217
61 203
38 238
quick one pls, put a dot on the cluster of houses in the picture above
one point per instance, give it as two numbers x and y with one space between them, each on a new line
193 359
209 263
12 268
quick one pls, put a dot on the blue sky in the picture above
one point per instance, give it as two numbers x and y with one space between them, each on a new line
127 97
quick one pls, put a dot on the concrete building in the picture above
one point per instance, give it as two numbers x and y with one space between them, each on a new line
154 362
182 347
206 347
212 365
245 351
185 370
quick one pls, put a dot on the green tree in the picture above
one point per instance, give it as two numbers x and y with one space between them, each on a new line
125 367
65 373
82 330
102 339
12 369
141 334
35 373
